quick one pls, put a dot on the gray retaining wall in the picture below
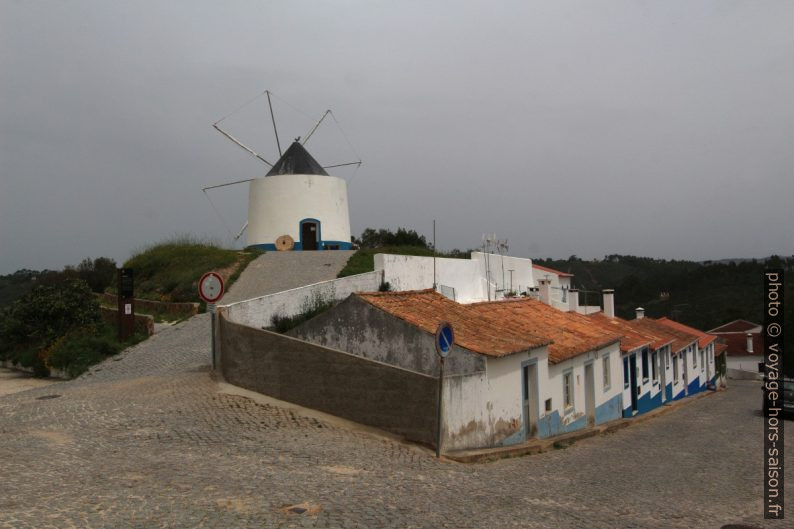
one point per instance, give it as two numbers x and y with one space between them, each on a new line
342 384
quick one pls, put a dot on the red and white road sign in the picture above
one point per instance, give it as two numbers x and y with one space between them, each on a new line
211 287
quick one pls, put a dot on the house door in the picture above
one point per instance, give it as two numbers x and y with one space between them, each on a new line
633 382
309 235
530 400
662 374
684 373
589 394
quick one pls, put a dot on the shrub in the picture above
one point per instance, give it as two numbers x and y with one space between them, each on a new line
35 321
75 352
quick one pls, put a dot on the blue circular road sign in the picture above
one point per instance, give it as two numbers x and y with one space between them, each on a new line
445 338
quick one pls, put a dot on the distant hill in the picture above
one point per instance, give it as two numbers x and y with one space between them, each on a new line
703 295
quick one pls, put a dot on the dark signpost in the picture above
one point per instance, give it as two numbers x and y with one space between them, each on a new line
445 338
126 303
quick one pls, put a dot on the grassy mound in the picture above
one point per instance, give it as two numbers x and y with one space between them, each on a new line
170 270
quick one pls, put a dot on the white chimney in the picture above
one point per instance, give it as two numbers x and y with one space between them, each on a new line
545 291
609 302
749 342
640 312
573 300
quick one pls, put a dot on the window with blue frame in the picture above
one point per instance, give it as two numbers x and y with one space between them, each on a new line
645 364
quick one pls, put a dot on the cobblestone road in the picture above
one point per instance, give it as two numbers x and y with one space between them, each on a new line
147 439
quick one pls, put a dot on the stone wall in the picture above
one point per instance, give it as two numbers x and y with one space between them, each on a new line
342 384
144 324
155 307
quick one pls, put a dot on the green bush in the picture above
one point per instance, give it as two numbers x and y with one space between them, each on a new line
35 321
80 349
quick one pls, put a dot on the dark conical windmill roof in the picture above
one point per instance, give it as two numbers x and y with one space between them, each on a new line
296 160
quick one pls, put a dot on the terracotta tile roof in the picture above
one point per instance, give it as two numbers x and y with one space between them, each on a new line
736 343
719 348
633 336
681 339
570 334
703 338
475 331
735 326
551 270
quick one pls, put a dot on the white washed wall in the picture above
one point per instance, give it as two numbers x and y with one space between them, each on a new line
410 272
522 271
258 312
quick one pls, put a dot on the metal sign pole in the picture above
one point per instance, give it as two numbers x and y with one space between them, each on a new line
440 404
211 310
445 338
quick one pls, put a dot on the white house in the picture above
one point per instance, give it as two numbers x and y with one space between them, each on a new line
520 368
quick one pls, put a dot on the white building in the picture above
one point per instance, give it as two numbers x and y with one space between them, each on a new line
298 206
519 369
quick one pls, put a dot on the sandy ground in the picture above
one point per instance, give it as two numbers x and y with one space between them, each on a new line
12 381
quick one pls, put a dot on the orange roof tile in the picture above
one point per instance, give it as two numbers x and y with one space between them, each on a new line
570 334
474 331
634 336
719 348
681 339
551 270
703 338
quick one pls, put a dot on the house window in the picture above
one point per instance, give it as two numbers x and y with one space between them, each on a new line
567 391
644 365
675 370
548 405
694 359
605 367
702 358
654 359
625 373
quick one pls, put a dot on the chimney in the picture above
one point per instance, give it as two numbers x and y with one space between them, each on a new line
609 302
640 312
545 291
749 342
573 299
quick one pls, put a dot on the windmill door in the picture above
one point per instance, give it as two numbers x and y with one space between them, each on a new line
309 233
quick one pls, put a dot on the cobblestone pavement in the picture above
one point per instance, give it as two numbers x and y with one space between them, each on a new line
276 271
148 440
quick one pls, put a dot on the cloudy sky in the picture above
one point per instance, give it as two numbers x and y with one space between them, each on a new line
660 128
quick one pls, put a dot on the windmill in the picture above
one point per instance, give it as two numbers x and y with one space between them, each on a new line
296 205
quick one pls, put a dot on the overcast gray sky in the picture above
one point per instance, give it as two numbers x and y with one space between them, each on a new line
658 128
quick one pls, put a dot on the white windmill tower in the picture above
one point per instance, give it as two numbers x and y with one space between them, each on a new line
297 205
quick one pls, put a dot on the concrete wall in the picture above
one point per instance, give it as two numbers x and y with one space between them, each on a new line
332 381
471 279
358 328
523 277
410 272
258 312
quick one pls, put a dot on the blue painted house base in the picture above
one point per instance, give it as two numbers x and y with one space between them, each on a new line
551 425
322 245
